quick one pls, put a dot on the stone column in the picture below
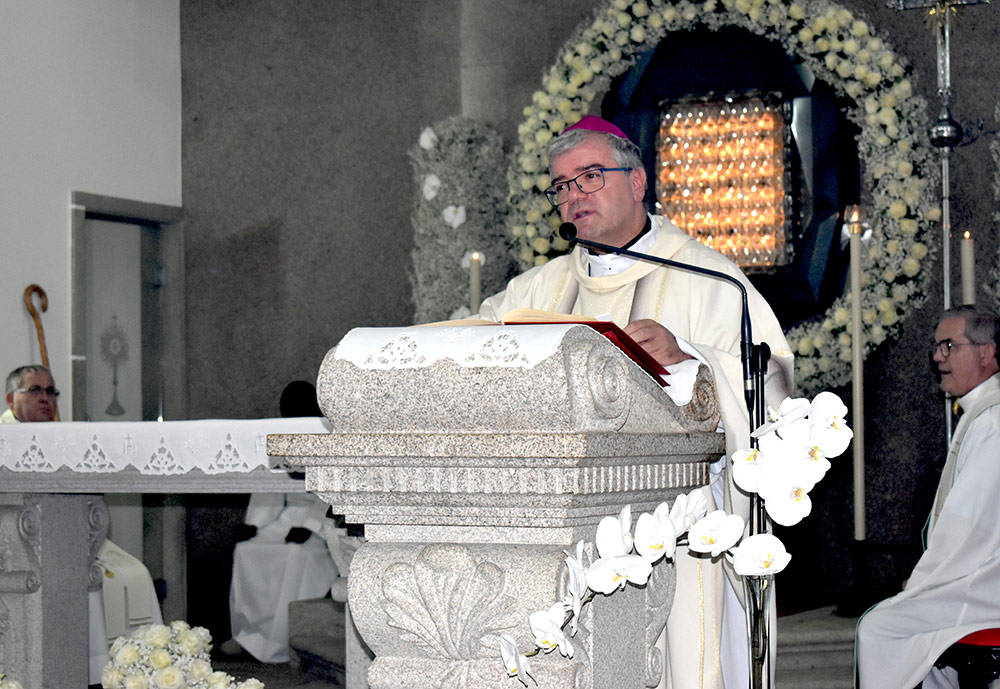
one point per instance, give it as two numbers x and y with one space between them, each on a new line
48 548
472 482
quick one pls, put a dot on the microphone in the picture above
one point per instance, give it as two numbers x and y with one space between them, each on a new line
755 407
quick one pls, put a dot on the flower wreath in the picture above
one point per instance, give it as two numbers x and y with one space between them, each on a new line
900 168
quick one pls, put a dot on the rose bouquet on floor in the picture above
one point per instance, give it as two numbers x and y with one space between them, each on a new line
167 657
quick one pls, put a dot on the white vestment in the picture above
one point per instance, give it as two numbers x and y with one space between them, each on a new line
126 601
705 313
269 573
954 589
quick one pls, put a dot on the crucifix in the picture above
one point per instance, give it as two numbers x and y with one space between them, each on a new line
945 133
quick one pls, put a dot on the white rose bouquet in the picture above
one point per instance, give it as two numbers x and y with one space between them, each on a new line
164 657
8 683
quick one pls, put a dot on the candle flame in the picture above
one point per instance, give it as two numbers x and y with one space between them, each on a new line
968 235
475 256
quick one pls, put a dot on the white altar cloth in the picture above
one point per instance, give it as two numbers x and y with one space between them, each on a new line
89 456
473 347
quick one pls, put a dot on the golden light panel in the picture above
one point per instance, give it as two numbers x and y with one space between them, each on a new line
721 178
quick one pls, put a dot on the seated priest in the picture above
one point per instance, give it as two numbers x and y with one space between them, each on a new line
282 556
954 589
31 395
127 599
684 320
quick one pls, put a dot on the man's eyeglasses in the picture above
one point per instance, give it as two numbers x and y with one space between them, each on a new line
944 347
588 182
38 391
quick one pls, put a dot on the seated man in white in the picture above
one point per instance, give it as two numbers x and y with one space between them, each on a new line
127 599
282 556
954 589
287 560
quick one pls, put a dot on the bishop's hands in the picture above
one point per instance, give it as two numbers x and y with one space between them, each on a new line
657 340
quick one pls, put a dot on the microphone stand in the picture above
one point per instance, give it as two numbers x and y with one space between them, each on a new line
757 589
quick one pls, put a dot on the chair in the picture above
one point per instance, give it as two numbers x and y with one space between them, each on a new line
976 658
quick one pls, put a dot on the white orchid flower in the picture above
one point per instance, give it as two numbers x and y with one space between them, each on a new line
614 536
546 627
791 409
608 574
687 510
715 533
747 467
516 663
793 449
786 494
830 430
760 555
655 535
577 584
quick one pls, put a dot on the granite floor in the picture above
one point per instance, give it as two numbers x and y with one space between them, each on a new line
273 675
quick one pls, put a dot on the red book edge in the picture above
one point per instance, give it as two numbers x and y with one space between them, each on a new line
620 339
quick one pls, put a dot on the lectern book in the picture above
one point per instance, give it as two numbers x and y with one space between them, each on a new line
632 349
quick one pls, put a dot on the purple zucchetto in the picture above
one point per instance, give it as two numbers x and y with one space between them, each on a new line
597 124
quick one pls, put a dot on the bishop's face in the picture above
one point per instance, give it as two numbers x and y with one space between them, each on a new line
612 215
964 365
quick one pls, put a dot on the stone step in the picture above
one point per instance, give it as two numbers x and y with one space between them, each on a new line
815 651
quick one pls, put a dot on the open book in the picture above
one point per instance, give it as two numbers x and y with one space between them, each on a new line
632 349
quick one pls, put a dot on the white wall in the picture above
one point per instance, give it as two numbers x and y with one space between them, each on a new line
90 100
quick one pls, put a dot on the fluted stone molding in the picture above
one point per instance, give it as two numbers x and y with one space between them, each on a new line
471 484
98 520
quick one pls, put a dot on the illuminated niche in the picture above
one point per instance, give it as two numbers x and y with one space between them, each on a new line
723 172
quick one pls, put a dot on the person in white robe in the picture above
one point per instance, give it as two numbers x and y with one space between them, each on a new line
127 598
954 588
286 560
282 556
683 319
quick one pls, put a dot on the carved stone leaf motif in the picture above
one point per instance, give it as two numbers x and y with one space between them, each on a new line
448 603
34 458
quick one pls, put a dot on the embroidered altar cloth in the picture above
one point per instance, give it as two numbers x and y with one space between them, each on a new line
215 446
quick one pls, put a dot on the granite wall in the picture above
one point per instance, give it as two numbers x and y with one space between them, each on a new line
297 119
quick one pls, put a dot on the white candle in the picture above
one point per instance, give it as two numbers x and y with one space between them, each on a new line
475 283
858 373
968 270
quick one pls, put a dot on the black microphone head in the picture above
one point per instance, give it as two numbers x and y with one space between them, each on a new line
567 231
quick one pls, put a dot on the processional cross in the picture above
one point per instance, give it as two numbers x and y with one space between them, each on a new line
945 133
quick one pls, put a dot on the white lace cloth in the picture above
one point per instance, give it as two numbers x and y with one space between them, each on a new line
520 346
216 446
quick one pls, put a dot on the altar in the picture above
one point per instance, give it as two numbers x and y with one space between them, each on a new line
53 518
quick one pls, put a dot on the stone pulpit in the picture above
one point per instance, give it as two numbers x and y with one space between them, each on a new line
474 457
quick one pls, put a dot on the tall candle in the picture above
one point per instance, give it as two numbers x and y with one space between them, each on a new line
968 270
475 282
857 370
